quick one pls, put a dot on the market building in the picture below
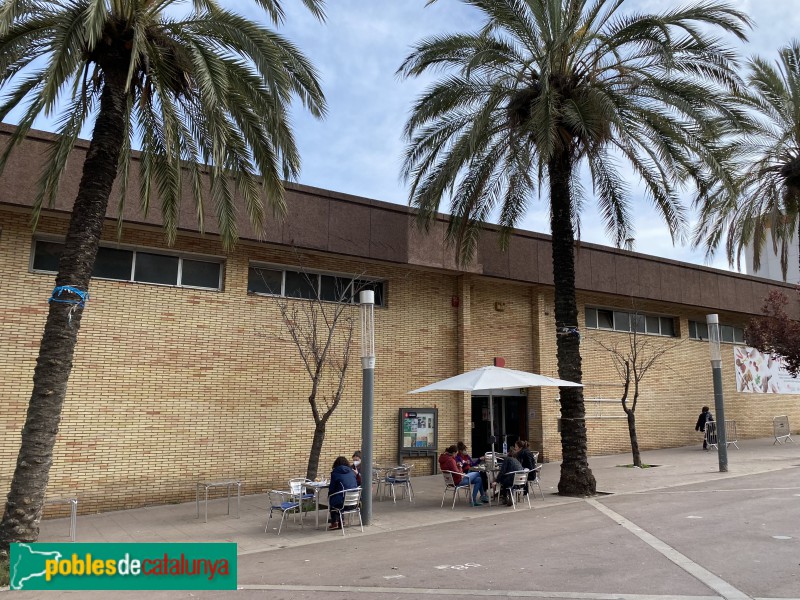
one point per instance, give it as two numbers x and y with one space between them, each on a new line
183 371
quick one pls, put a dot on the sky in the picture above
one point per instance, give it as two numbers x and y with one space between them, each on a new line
358 148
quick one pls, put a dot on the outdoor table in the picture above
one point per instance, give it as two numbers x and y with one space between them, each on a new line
315 487
491 475
227 484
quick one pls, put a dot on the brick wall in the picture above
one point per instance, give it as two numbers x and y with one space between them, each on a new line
172 385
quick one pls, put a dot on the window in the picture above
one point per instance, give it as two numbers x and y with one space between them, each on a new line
727 333
200 273
156 268
113 264
619 320
299 284
46 256
137 265
265 281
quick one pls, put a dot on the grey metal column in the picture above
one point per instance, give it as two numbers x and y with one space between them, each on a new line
367 402
719 404
367 302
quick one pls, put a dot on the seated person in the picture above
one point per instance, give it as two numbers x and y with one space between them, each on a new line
447 462
465 462
506 478
342 478
356 465
522 452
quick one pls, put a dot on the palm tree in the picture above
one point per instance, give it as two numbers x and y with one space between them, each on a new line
545 87
209 87
768 151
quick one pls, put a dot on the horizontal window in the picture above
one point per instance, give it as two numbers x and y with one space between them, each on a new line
304 284
619 320
137 265
727 333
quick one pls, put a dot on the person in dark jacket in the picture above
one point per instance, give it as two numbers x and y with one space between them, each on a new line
342 478
705 417
522 452
506 478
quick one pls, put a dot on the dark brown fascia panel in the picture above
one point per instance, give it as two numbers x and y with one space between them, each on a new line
347 225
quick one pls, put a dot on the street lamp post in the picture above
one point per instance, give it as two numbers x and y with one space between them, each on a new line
719 407
367 302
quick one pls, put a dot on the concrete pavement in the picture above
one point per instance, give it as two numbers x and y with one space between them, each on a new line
678 530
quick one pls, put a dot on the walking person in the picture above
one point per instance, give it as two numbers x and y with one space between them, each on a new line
705 417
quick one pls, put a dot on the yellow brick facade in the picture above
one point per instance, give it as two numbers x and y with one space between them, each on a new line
171 386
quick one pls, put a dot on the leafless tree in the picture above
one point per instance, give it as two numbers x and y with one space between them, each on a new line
322 332
632 361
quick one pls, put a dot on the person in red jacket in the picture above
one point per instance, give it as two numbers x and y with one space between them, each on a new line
447 462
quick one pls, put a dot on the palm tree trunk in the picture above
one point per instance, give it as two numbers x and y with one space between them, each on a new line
23 508
576 476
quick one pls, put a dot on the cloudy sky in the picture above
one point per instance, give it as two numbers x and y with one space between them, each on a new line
357 149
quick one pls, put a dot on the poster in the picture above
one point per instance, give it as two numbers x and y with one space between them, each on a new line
759 373
418 429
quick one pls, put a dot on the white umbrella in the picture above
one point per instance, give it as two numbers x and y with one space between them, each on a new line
488 379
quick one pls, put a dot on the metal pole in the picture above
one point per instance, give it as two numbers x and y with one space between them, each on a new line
491 421
367 402
367 301
719 405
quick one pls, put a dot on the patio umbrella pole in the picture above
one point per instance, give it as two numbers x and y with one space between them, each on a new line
491 420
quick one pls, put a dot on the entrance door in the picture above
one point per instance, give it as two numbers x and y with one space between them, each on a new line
510 422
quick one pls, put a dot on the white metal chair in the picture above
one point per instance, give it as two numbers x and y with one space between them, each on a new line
519 487
399 476
492 462
296 487
351 506
450 485
286 503
535 480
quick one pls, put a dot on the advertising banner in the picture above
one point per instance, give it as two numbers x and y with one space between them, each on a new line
759 373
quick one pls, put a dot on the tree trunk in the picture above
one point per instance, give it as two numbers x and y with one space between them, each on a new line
316 450
25 500
637 458
576 476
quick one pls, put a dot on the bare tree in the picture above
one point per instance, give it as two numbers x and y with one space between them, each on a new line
632 360
322 332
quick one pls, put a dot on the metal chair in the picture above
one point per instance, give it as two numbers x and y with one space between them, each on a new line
399 476
286 503
351 506
534 481
450 485
296 487
492 462
519 487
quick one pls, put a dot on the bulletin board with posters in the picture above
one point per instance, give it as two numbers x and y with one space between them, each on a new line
418 434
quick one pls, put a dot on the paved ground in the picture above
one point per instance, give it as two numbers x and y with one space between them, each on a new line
678 531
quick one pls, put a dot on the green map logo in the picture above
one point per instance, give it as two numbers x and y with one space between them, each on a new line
123 566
